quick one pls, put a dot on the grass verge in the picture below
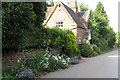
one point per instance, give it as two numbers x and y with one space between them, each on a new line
109 50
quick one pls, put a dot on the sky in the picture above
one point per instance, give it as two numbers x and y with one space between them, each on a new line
111 8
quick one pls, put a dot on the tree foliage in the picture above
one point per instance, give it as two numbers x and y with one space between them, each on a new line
19 23
50 3
99 25
118 37
39 9
84 7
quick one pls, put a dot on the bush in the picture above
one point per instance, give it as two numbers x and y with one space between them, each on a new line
8 76
70 46
47 62
96 49
64 40
37 63
58 62
86 50
103 44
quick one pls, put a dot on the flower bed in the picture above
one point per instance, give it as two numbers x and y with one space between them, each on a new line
29 68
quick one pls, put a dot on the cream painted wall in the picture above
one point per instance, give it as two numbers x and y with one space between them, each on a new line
68 23
61 14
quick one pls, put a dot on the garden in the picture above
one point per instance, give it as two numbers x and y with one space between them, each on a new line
31 50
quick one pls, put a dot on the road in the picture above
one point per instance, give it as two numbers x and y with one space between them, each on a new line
102 66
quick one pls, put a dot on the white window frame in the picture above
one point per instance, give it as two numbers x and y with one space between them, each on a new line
59 23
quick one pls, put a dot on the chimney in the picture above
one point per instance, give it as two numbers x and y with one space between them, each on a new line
79 5
73 4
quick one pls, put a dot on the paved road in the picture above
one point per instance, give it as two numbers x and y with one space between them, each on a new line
103 66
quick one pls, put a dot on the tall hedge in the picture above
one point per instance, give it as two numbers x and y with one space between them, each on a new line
18 24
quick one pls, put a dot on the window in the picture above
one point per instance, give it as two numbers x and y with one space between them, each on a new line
59 23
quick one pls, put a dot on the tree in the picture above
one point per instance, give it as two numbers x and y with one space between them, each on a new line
104 30
99 25
118 37
100 9
50 3
19 21
111 37
39 9
83 7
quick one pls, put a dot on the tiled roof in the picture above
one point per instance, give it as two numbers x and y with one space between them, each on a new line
79 21
84 15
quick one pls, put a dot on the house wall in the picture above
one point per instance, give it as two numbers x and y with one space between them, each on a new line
61 14
80 35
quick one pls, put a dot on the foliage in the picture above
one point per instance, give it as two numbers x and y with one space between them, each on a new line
103 44
18 70
111 38
22 24
96 49
39 9
84 7
25 73
100 28
28 68
50 3
89 50
86 50
57 62
100 9
64 40
70 47
8 76
118 37
19 24
37 63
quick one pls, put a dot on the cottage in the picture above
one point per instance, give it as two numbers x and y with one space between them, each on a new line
69 18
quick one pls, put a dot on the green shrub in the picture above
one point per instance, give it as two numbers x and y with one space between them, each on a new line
86 50
70 47
63 40
96 49
103 44
8 76
37 62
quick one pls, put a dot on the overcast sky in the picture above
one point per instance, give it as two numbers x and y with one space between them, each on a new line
111 8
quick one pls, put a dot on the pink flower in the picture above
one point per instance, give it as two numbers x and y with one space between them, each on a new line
18 60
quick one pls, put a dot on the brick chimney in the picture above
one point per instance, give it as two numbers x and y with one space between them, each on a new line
73 4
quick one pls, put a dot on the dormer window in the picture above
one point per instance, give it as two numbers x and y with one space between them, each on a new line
59 23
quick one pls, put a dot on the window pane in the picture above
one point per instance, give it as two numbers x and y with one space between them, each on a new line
59 23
